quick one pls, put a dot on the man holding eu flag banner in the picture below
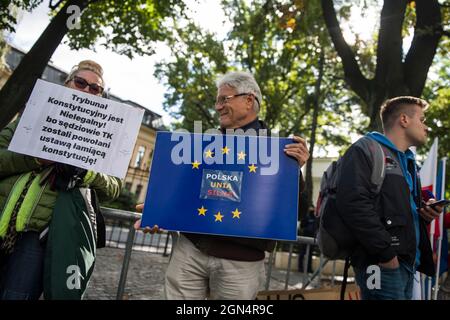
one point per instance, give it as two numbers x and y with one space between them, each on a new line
226 267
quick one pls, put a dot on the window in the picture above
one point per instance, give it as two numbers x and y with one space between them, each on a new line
149 160
147 119
128 186
139 157
138 190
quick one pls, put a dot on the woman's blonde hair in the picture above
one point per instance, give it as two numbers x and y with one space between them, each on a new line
86 65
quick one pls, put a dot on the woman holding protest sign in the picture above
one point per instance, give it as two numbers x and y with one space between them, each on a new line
49 219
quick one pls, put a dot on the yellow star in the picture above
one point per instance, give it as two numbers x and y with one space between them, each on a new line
241 155
202 211
195 164
236 214
252 168
218 216
209 154
225 150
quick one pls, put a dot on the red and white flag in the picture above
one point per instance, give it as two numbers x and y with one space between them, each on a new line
429 168
428 180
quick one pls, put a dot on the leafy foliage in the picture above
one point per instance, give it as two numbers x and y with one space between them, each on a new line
126 201
8 18
127 27
437 93
280 43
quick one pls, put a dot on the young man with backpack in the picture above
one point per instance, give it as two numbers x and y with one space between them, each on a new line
380 203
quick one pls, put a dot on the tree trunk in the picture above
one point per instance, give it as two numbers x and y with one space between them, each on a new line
316 105
393 76
17 89
376 98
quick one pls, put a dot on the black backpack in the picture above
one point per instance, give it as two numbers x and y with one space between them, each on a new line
334 238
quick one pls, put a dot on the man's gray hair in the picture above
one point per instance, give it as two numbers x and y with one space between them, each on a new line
243 82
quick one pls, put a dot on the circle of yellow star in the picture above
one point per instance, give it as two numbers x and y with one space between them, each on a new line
236 214
209 154
195 164
241 155
218 216
252 168
202 211
225 150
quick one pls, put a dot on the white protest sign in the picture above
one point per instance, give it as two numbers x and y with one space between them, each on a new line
77 128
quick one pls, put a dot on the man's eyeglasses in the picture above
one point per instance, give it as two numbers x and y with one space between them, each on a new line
224 99
81 83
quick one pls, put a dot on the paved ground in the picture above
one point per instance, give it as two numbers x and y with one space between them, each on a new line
146 276
144 280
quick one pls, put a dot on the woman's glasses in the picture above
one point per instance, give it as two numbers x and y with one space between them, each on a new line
81 83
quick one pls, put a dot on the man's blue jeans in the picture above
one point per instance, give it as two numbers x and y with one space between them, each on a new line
21 273
394 284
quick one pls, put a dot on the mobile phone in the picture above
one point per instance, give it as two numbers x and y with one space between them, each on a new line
441 203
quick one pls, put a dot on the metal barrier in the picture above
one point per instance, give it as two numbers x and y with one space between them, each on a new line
119 224
300 240
120 233
307 279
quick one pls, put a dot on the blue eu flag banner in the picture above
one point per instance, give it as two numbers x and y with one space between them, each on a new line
233 185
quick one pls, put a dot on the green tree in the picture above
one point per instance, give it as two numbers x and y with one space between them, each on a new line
276 42
127 27
286 47
394 72
126 201
437 93
189 75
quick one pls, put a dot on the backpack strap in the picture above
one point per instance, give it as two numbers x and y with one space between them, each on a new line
377 153
344 281
379 166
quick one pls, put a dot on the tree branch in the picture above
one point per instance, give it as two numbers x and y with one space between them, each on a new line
389 72
427 33
14 94
54 6
353 76
57 4
205 114
295 127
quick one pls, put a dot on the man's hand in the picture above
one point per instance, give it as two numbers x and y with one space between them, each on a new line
298 150
137 224
391 264
429 213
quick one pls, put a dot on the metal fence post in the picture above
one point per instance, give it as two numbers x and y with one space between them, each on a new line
306 261
166 245
269 271
288 272
126 262
316 273
321 267
334 273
